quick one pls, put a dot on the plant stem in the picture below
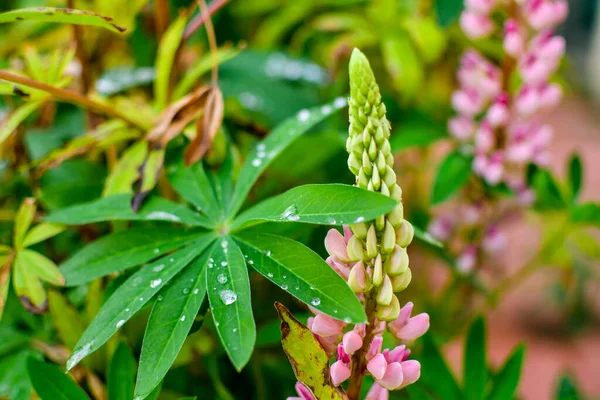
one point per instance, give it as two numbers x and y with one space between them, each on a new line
161 17
359 359
201 18
71 97
212 40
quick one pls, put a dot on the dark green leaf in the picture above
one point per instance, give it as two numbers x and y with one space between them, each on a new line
118 208
123 249
169 324
121 374
229 295
193 185
281 137
575 175
447 11
567 389
416 131
50 383
435 373
548 195
451 176
507 381
426 237
475 371
332 204
62 16
587 213
301 272
131 296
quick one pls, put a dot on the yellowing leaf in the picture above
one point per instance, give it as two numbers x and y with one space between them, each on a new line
23 220
41 266
42 232
308 359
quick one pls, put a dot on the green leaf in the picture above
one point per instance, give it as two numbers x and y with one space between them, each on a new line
587 213
118 208
427 237
122 250
169 324
308 359
131 296
121 374
61 16
567 389
167 49
447 11
435 373
65 319
16 117
42 232
451 176
40 266
23 220
575 175
507 381
27 286
475 371
5 264
281 137
331 204
193 185
403 64
50 383
149 174
117 80
301 272
416 130
229 296
548 194
127 170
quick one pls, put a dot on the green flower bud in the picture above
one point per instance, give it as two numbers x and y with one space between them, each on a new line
405 234
389 238
396 216
400 282
357 280
397 263
384 190
371 242
397 193
378 271
391 312
390 176
353 164
367 165
356 251
373 150
380 222
381 163
386 292
375 179
360 229
363 181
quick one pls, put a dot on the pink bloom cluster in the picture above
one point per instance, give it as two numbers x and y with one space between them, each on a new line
505 128
390 368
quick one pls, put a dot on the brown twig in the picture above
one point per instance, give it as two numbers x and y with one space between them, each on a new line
201 18
86 73
212 40
71 97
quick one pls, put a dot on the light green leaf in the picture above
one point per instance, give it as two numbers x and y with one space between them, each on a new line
229 295
164 60
50 383
122 250
426 237
475 370
403 64
5 268
127 170
193 185
169 324
41 266
61 16
416 130
23 220
16 117
435 373
118 208
507 381
200 67
65 318
41 232
301 272
281 137
131 296
121 374
149 174
331 204
28 287
308 359
451 176
428 37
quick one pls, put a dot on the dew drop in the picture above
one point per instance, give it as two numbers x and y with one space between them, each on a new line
182 318
228 296
156 251
141 299
196 291
234 330
315 301
360 219
284 287
224 263
268 253
222 279
159 298
120 323
256 162
347 320
224 244
186 290
171 259
261 147
158 268
154 283
270 274
326 109
251 262
339 102
303 115
290 213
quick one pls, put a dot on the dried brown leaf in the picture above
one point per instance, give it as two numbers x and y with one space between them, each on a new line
207 127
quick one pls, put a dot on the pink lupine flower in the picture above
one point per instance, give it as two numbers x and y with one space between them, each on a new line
411 370
466 261
340 370
485 139
303 392
545 13
377 392
336 245
494 169
494 240
527 101
441 227
461 127
468 101
498 114
481 6
535 69
474 25
352 341
550 96
409 328
339 267
325 326
514 39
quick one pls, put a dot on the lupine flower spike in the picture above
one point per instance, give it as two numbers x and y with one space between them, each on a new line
371 256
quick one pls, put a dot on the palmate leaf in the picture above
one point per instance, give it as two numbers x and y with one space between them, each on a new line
123 249
228 290
118 208
121 374
50 383
301 272
61 15
281 137
131 296
169 324
331 204
193 184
